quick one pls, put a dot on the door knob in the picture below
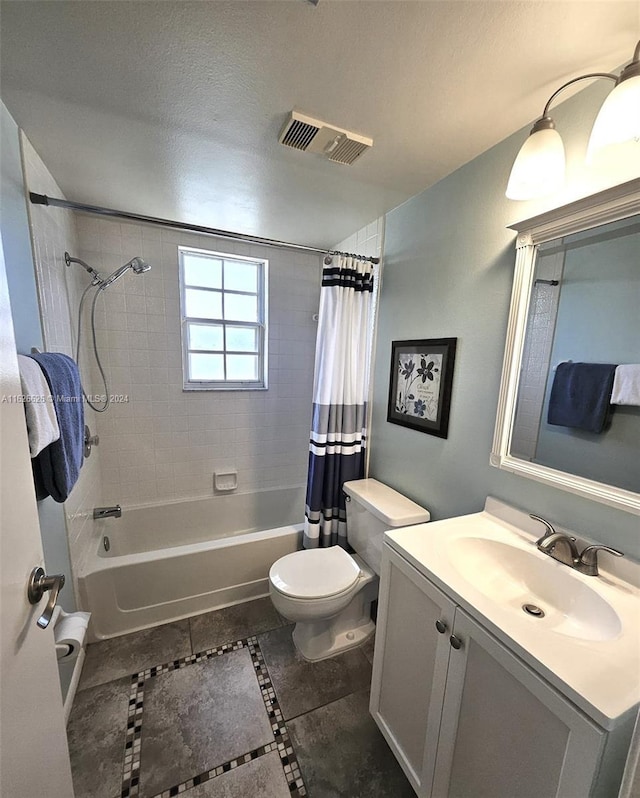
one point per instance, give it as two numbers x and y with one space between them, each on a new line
39 584
455 642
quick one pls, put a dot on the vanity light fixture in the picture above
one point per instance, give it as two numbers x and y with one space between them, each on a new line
539 166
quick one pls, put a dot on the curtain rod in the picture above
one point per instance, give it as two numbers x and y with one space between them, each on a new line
43 199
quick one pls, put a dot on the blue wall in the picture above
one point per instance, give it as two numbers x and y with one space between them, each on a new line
448 271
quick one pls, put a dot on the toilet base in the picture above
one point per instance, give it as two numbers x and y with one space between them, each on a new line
318 640
313 651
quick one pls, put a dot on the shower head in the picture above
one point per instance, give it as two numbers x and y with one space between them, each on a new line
138 265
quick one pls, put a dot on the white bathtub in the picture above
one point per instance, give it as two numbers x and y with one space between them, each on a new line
171 561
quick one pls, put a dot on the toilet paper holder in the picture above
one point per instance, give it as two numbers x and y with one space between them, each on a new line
69 649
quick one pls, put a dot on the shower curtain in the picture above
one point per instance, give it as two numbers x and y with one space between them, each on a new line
341 386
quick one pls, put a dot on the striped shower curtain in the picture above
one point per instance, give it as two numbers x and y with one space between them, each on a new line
341 386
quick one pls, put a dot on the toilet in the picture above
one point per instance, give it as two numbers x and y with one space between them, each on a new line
328 592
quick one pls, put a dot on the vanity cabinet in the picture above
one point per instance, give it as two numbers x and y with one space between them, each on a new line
464 715
410 666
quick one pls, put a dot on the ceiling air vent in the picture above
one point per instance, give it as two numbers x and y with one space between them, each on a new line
346 150
298 134
311 135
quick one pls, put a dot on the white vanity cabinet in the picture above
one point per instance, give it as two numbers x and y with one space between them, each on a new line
465 716
410 666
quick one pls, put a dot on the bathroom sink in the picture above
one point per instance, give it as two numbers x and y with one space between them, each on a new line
581 633
544 592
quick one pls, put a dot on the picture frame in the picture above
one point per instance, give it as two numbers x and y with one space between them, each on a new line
420 384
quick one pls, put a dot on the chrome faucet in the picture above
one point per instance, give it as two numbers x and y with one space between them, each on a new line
567 553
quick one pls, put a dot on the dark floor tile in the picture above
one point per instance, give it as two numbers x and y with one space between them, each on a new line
122 656
368 648
233 623
342 753
198 717
261 778
302 686
96 733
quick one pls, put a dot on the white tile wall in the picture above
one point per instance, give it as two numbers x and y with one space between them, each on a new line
165 443
369 240
53 231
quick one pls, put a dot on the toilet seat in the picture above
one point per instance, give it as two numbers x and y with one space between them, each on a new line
315 573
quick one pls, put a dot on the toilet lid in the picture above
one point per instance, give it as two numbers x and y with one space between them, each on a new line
315 573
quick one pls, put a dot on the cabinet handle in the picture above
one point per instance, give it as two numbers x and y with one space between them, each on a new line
455 642
441 626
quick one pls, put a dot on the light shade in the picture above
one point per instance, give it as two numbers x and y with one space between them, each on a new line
618 121
539 168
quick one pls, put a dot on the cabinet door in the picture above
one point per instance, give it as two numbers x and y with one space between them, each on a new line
505 732
410 666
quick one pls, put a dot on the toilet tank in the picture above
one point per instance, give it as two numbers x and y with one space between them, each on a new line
373 508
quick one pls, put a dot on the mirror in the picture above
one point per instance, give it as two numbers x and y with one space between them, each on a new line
575 316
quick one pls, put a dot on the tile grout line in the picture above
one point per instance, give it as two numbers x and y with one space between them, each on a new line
282 741
328 703
190 636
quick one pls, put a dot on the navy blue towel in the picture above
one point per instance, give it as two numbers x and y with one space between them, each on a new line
581 395
57 467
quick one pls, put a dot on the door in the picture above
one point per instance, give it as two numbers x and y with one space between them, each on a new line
505 731
410 666
34 759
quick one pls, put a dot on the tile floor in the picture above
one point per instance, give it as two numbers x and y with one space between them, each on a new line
222 706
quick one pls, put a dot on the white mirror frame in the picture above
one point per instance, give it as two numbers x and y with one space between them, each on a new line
607 206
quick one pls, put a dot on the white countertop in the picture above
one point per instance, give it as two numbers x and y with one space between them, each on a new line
602 677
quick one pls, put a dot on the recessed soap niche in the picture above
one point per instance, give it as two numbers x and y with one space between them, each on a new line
225 481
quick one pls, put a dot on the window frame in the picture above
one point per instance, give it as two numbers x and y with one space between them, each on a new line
261 326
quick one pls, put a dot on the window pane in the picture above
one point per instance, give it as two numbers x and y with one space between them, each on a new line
238 307
240 276
242 339
205 336
203 271
206 367
242 367
203 304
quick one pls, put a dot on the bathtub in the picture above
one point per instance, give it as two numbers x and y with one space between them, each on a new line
169 561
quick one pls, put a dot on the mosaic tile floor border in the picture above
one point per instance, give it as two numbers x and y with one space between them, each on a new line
281 739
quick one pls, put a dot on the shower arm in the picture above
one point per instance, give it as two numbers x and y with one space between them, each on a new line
97 277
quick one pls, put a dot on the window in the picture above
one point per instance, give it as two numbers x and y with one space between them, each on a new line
224 316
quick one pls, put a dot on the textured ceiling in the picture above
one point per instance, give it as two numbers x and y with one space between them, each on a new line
173 108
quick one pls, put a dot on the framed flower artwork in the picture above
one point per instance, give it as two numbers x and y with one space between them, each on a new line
420 384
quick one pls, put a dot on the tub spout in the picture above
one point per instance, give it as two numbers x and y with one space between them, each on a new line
107 512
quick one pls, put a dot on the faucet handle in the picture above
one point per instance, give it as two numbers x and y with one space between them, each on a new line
588 562
549 530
